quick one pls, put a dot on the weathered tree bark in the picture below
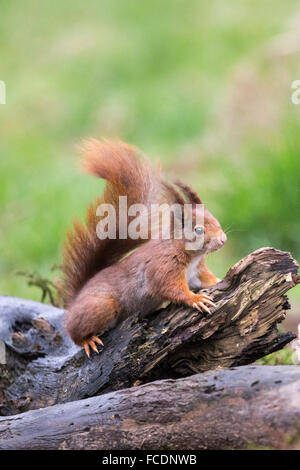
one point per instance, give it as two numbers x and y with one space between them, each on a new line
247 407
44 368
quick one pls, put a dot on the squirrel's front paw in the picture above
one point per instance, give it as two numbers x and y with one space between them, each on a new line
90 343
200 300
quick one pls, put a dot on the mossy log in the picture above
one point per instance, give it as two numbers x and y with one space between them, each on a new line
44 368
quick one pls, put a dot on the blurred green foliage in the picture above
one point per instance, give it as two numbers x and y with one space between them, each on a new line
284 356
204 86
263 199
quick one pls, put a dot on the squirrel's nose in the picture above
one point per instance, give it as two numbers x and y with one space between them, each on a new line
222 238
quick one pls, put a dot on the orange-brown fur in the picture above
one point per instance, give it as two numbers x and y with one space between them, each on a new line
206 277
102 286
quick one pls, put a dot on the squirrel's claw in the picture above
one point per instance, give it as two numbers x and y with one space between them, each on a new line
97 340
206 297
91 344
202 305
87 350
201 301
209 302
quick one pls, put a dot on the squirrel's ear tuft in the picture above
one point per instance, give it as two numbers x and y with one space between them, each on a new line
178 199
190 193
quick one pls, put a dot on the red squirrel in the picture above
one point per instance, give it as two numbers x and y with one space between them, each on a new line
107 280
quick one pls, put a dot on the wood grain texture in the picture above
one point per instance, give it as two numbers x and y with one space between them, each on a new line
243 408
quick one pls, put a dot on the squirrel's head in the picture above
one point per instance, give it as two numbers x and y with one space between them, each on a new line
202 231
214 237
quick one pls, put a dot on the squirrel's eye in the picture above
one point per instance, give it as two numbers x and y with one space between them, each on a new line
199 229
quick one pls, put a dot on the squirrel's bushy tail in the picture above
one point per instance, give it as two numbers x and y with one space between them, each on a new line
127 173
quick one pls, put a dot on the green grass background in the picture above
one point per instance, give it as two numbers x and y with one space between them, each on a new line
204 86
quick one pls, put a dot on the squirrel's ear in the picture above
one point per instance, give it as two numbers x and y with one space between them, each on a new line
189 192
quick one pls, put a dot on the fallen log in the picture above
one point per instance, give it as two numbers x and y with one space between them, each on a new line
44 368
244 408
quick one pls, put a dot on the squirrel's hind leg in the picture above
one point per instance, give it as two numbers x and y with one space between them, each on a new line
88 317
